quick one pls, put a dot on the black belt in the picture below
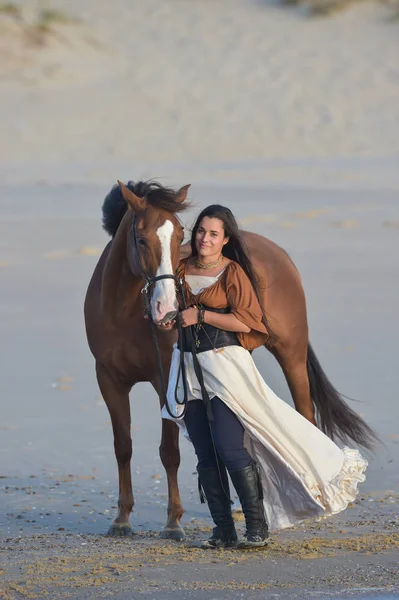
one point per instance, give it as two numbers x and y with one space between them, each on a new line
208 337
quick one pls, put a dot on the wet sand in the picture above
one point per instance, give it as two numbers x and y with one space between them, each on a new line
58 485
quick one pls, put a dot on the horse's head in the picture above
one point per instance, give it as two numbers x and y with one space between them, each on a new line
153 245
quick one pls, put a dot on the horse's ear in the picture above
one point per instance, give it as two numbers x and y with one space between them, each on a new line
138 204
182 193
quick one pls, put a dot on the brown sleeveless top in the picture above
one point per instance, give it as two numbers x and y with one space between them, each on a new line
234 290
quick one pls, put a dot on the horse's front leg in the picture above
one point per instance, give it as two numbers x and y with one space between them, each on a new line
170 456
116 397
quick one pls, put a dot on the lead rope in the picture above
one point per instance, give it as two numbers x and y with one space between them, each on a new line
196 364
204 392
182 371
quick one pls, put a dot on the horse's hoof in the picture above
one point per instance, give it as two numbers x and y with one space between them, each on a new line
176 533
120 530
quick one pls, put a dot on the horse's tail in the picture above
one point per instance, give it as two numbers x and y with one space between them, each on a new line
336 418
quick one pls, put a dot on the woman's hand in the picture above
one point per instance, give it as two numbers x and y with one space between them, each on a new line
189 316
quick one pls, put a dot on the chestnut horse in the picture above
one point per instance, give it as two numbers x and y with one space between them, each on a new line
146 240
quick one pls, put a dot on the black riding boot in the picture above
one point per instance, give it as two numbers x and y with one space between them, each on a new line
249 489
215 486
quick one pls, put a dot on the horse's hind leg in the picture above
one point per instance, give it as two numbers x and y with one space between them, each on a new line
170 457
116 397
292 360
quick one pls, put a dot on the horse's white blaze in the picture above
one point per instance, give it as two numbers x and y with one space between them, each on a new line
164 296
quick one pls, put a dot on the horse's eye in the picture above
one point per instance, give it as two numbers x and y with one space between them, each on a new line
142 242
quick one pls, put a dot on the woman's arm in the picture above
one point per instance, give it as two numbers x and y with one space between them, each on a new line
228 322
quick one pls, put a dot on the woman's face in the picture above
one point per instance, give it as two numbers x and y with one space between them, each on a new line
210 237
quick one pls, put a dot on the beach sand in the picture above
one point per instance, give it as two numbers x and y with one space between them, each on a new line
59 482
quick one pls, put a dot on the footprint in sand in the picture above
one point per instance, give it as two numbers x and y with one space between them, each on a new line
345 224
84 251
63 383
89 251
312 214
257 219
71 477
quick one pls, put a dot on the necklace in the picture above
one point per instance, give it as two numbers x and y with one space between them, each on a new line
201 265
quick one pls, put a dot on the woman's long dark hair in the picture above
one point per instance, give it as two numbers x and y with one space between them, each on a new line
236 250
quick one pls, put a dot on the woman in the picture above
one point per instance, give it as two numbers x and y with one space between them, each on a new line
282 467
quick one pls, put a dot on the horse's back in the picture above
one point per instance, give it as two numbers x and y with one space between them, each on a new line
282 291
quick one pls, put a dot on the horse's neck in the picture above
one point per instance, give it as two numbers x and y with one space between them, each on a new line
120 290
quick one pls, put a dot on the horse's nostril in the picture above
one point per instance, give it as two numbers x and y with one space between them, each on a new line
158 306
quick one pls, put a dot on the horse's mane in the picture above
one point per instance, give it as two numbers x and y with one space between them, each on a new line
114 206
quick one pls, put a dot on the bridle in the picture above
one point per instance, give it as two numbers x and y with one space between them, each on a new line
146 292
149 281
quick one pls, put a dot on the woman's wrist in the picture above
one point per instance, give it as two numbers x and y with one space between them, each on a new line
201 316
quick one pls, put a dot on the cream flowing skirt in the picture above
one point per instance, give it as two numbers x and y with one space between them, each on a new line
304 474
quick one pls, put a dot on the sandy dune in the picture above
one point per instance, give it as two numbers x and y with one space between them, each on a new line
220 90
